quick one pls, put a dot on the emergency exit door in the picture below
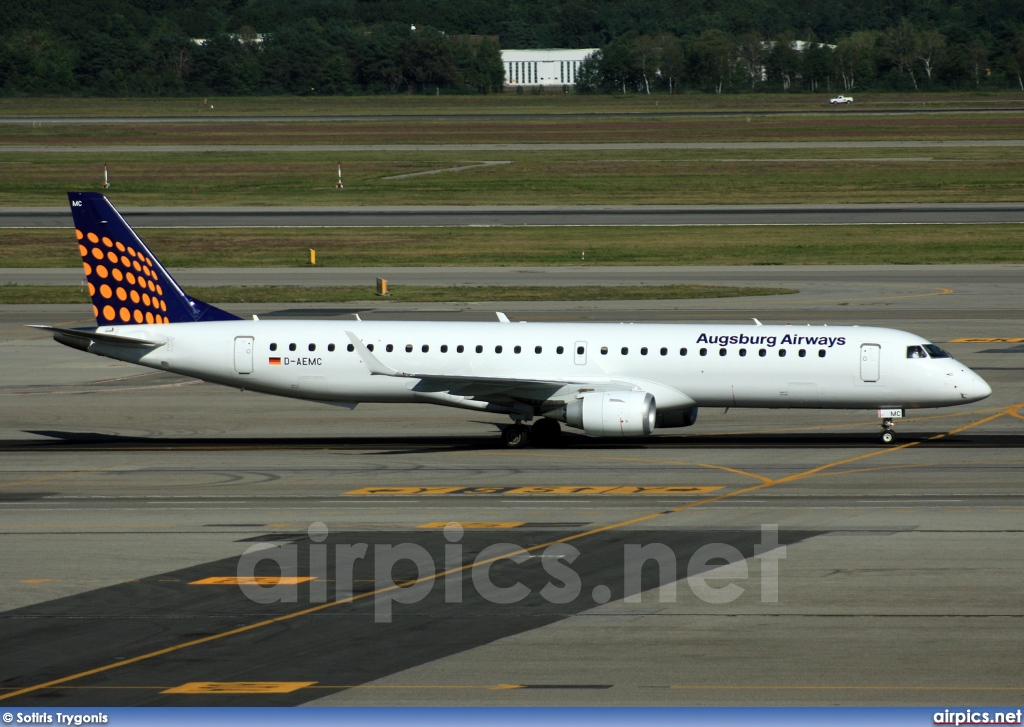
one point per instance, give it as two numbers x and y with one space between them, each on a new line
580 354
869 361
243 354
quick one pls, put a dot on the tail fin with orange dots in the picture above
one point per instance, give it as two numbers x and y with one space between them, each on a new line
127 283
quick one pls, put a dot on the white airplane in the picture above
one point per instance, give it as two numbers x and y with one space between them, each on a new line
609 380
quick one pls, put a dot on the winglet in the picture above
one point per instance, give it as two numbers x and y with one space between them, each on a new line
502 318
372 362
756 322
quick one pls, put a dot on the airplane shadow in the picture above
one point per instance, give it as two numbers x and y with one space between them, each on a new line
98 441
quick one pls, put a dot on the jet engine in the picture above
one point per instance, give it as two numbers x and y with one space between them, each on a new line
611 414
676 418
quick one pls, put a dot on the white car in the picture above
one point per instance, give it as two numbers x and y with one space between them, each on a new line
841 99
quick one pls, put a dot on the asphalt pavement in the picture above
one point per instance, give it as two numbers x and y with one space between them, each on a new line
533 216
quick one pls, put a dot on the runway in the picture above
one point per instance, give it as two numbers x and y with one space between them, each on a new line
128 498
483 116
485 216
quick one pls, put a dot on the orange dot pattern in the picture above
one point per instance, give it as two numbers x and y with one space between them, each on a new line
143 289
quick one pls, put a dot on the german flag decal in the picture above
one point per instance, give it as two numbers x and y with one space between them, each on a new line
275 361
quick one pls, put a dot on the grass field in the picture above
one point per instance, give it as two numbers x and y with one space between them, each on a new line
254 176
531 178
241 170
512 246
36 294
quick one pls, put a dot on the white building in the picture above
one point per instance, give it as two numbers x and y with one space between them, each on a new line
547 67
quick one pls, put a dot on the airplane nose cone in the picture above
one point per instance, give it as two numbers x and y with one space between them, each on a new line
981 388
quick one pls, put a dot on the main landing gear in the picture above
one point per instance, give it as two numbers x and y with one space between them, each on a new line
888 435
544 433
515 436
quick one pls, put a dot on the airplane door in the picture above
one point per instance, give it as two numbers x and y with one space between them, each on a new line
581 352
869 361
243 354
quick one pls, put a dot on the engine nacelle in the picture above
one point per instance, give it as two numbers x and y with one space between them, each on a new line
612 414
677 418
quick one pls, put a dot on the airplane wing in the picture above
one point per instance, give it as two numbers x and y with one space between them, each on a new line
489 387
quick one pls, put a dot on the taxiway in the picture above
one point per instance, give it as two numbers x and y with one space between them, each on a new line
128 498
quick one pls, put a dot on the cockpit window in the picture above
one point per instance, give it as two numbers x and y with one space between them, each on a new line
916 352
936 352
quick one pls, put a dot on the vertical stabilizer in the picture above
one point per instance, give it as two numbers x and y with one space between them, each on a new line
127 283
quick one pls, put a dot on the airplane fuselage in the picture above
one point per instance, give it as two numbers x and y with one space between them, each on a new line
682 366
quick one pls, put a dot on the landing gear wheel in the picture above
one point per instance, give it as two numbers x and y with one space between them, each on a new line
515 436
545 433
888 436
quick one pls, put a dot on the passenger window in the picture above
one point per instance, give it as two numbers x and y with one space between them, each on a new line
312 347
762 353
425 348
537 349
291 346
559 350
444 348
330 346
625 351
803 352
273 347
703 352
479 349
682 351
408 348
722 351
389 348
821 353
782 353
497 349
935 351
369 347
460 348
580 350
517 349
743 352
604 350
916 352
643 351
350 347
664 351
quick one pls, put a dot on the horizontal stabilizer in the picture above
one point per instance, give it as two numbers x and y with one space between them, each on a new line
86 335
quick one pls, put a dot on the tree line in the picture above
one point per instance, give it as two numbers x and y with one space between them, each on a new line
901 58
149 47
302 59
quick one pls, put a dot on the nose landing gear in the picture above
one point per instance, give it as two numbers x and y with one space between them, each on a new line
888 436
